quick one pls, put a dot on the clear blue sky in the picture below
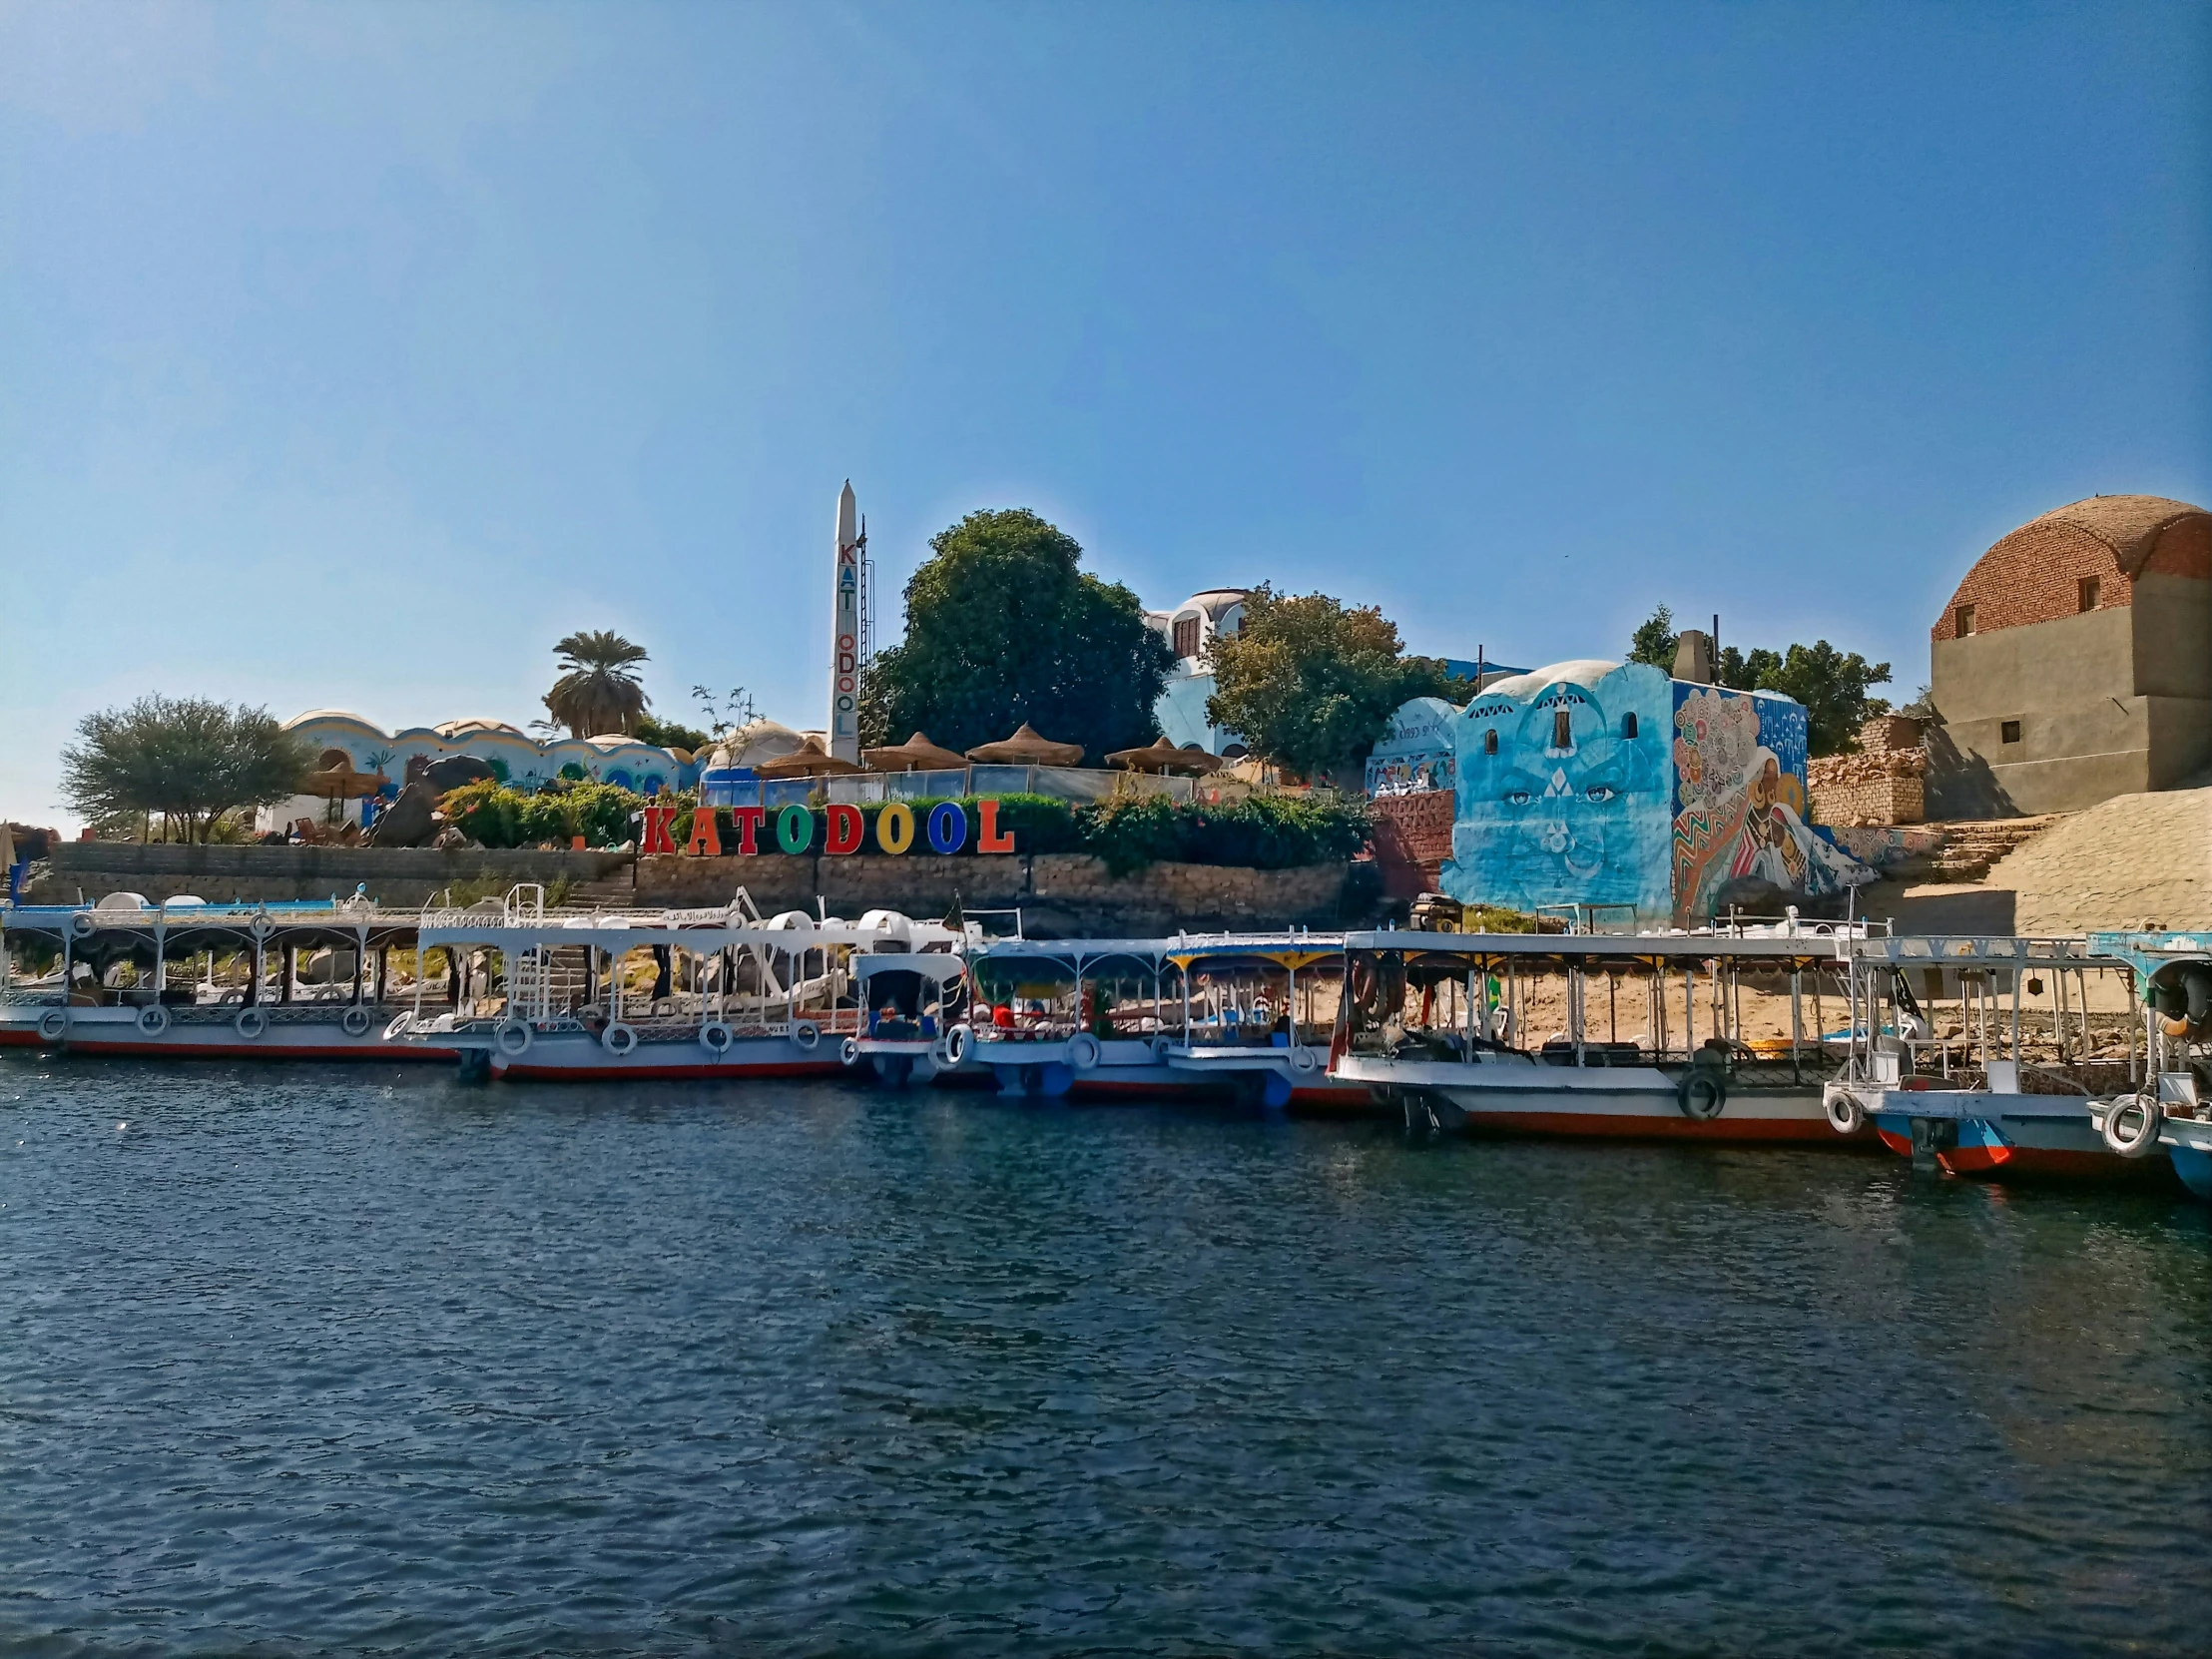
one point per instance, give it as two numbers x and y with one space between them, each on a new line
351 354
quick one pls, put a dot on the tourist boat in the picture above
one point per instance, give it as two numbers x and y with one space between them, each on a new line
591 995
1708 1036
184 978
911 990
2001 1083
1245 1017
2170 1108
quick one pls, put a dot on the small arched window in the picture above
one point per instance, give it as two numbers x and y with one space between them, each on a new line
1628 726
1489 741
1562 729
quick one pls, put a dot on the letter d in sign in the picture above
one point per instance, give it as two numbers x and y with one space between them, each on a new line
847 826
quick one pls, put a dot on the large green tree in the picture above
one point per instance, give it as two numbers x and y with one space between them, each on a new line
185 757
597 694
1002 626
1831 684
1309 682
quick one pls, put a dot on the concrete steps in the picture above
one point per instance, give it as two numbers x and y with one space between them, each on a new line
1970 847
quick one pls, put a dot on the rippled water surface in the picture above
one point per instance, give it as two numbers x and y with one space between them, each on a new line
308 1360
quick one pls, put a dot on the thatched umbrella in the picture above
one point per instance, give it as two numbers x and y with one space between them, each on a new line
809 760
1026 748
916 753
1164 757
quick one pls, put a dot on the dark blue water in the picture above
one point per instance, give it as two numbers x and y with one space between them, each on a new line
312 1362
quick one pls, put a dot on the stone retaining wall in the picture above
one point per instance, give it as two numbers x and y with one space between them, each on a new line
1058 893
394 876
1412 838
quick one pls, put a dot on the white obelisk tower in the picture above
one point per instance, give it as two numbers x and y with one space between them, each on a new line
845 648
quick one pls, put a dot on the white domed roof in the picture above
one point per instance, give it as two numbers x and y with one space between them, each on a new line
754 745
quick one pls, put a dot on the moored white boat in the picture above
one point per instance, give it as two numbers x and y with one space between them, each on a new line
186 979
1714 1040
696 994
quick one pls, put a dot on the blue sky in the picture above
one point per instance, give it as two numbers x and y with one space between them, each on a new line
351 354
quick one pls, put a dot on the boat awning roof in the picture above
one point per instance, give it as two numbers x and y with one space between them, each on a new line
1607 947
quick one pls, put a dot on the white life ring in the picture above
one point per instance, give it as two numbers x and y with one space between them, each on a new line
356 1021
153 1020
1162 1047
715 1037
1304 1058
849 1050
1083 1051
514 1038
250 1023
2142 1141
1845 1115
52 1024
397 1025
807 1035
82 924
955 1045
618 1040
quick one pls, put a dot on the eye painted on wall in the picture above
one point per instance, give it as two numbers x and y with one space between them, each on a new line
1599 792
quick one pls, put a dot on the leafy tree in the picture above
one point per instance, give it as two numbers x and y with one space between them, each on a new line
1001 628
187 757
1832 685
1310 684
1655 639
597 695
667 734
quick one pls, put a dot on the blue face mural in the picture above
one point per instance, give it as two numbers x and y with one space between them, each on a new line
1564 791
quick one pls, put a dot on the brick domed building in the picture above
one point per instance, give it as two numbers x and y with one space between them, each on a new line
2074 661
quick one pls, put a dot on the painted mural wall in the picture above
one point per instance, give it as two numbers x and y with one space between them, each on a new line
1739 805
1610 785
1563 790
1414 754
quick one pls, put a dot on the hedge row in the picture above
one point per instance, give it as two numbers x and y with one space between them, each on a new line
1263 832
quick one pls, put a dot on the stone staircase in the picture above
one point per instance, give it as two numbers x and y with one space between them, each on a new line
1970 846
616 892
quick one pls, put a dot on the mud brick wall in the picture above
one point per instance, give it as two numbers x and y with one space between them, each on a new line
1882 783
1412 838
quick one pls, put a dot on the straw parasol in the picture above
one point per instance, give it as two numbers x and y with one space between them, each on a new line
1028 749
336 779
916 753
809 760
1164 757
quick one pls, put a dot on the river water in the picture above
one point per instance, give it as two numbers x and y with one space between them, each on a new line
313 1360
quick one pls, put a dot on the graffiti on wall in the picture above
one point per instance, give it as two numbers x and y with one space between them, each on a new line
1415 752
1740 835
1563 790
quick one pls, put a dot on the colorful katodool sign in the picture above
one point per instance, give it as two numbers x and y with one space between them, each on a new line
944 829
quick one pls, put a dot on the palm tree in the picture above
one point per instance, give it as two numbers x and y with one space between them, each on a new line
597 695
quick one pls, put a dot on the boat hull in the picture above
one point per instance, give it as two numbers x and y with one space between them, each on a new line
291 1034
1989 1136
1517 1096
580 1057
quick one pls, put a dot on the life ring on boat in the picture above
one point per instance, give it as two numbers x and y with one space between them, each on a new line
1701 1094
397 1025
2141 1141
356 1021
807 1035
514 1038
849 1050
82 924
250 1023
1083 1051
52 1024
953 1049
1304 1058
1162 1047
715 1037
618 1040
153 1020
1845 1115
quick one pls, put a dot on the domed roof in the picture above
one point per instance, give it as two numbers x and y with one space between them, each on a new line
2129 525
754 744
331 717
454 730
1582 671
